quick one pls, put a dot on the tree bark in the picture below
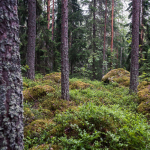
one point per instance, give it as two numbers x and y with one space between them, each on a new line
104 48
48 14
134 72
121 58
112 30
11 99
94 36
31 38
64 52
53 22
141 27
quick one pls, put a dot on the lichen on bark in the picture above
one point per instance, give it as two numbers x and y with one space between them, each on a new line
11 101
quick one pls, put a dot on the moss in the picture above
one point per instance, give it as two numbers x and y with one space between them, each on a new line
144 94
46 147
54 104
56 76
28 116
36 92
144 107
79 85
47 114
35 128
41 147
142 85
40 113
144 91
25 85
119 75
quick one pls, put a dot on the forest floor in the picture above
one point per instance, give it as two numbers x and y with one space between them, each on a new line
98 116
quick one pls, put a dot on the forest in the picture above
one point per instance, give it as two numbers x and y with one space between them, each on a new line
74 75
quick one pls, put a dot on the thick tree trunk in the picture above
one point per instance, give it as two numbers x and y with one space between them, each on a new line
31 38
134 72
94 36
64 52
104 49
112 29
11 100
48 14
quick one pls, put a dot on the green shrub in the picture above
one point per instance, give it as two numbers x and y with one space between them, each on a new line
103 127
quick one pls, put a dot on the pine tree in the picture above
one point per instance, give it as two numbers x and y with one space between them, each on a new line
134 71
104 48
48 14
11 99
64 52
112 30
31 38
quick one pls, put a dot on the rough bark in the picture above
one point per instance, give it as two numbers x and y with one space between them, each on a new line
31 38
94 36
112 28
48 14
104 47
134 72
11 102
64 52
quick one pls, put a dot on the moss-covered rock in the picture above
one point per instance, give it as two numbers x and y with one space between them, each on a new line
56 76
47 114
144 91
142 85
28 116
144 107
79 85
54 104
119 75
36 92
35 128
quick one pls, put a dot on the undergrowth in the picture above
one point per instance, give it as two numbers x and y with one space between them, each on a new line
98 116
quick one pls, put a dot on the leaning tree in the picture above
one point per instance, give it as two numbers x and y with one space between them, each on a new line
11 103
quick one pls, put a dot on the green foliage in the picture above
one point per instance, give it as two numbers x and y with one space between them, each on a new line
145 68
101 126
101 116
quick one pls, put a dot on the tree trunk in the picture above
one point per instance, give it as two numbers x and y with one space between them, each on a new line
94 36
53 22
134 72
11 99
48 14
112 30
121 58
64 52
141 27
104 49
31 38
52 51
